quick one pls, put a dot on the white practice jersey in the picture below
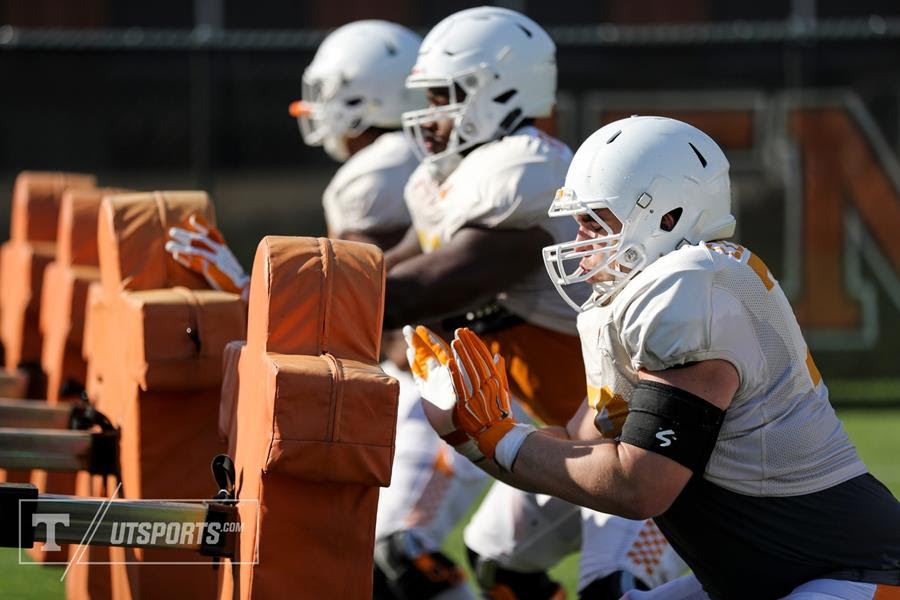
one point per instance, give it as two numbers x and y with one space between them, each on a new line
780 436
366 192
505 184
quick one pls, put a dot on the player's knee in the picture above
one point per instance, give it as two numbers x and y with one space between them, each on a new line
611 587
499 583
403 571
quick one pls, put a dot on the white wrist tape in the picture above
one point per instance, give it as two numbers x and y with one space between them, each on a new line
509 445
470 450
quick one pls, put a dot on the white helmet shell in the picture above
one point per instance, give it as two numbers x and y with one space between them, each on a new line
356 81
504 62
640 169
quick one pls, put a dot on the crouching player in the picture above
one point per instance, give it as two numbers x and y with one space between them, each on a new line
479 203
728 440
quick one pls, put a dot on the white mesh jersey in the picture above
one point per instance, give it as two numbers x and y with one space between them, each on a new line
780 436
366 192
505 184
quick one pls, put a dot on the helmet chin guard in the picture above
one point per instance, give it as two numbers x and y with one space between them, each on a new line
564 261
640 169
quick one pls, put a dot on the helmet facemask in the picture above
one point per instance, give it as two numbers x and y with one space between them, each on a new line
474 113
330 113
619 260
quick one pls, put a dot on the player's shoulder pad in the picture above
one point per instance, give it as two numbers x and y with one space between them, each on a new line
663 315
509 182
387 157
525 147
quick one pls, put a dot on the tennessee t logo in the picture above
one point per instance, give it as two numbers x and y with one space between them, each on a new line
661 436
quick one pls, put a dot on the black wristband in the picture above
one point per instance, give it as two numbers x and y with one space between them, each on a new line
673 423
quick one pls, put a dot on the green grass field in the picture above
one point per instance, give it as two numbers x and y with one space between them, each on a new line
875 433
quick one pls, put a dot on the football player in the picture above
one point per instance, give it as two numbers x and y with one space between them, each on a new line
478 204
714 419
352 100
353 96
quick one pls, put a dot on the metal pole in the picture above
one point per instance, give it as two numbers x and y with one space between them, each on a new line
59 450
33 414
209 21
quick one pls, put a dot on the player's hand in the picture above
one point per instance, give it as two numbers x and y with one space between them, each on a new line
484 406
429 359
201 248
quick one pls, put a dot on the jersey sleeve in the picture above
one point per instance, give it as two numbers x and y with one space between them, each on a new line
366 203
680 316
511 193
521 195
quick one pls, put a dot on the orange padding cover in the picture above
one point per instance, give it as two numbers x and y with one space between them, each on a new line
94 321
312 429
63 301
22 266
173 339
131 237
314 295
76 236
229 393
35 205
331 419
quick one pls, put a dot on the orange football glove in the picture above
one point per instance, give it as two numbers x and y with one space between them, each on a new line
429 359
201 248
484 407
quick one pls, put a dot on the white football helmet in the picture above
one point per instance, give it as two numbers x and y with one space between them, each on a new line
640 169
503 61
356 81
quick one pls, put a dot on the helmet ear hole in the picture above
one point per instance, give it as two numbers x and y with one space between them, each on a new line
460 92
670 219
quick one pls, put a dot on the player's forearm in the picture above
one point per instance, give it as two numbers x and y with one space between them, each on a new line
427 288
405 249
589 474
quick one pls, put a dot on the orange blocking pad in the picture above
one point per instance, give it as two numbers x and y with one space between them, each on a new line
22 268
36 202
33 232
155 341
169 435
132 230
313 429
228 397
93 307
77 231
64 292
173 339
62 313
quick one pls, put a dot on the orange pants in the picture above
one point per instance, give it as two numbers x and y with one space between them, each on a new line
887 592
545 370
